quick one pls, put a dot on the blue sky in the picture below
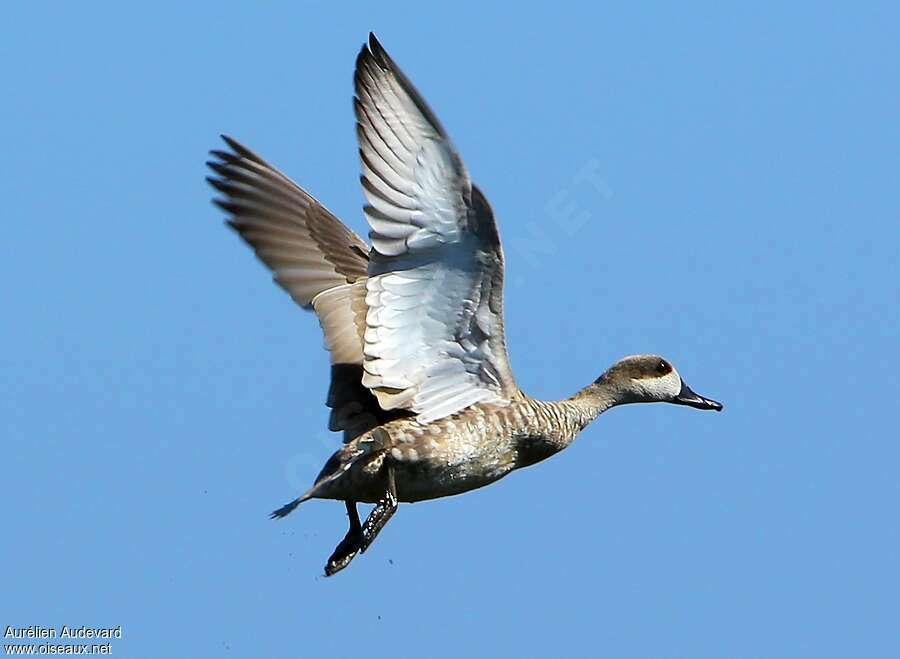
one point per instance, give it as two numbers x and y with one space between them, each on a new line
715 184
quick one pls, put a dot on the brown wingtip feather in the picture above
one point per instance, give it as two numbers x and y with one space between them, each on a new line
375 46
233 144
240 151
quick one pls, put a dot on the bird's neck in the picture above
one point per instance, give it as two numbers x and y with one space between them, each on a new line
595 399
573 414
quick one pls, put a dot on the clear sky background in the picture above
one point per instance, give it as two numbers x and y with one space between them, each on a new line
720 185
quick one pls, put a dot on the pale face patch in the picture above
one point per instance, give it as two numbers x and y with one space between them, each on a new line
659 389
645 378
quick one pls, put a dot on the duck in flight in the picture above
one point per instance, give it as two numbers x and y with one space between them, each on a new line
421 385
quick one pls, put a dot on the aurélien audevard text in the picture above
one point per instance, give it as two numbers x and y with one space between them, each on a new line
37 631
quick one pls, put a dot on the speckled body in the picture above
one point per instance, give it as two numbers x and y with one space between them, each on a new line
456 454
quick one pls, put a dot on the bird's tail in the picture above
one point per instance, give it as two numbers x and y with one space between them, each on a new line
336 466
288 508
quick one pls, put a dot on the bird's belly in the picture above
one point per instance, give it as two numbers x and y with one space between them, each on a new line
431 479
447 458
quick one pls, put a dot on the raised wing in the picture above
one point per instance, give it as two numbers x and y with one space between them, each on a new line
320 262
434 341
307 248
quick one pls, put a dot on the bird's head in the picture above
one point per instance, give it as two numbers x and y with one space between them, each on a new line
652 379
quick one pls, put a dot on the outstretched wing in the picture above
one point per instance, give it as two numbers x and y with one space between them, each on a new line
307 248
434 340
315 258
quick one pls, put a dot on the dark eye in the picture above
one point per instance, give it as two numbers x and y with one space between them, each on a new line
663 367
